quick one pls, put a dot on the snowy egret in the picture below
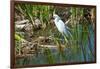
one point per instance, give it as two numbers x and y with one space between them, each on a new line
62 28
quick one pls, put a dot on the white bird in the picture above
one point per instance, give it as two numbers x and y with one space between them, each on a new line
62 28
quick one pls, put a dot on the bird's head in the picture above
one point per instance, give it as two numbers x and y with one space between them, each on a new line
55 16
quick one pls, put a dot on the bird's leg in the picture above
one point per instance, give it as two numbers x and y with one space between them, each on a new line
68 46
65 38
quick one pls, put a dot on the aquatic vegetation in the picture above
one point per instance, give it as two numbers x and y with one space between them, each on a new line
44 44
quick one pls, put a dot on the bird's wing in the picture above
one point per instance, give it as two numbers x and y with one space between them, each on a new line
65 28
61 23
61 26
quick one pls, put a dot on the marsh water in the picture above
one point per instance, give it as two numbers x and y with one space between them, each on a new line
38 41
79 51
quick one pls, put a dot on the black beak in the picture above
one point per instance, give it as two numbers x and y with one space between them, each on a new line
52 18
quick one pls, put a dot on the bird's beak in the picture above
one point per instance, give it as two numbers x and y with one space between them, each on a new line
52 18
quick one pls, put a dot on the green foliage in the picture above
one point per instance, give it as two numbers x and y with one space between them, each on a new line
19 38
76 49
48 55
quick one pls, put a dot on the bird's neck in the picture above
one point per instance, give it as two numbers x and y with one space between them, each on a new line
56 19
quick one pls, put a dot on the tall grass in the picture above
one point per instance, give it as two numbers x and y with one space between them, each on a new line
79 48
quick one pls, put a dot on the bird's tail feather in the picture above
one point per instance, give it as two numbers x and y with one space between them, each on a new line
68 33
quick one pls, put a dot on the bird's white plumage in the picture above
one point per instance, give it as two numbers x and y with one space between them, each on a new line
61 25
